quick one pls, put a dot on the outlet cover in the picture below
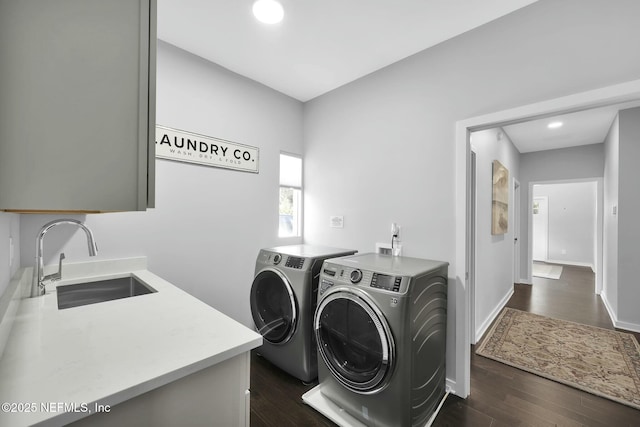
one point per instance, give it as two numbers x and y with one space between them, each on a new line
383 248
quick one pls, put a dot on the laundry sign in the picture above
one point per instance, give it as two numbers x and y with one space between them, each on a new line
182 146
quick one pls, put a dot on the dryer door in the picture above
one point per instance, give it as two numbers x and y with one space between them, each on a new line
273 306
354 340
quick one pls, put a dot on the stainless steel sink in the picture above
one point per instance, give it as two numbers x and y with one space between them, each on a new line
100 291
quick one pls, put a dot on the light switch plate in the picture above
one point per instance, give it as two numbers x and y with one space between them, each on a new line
336 221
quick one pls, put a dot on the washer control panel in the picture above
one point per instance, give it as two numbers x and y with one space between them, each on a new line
383 281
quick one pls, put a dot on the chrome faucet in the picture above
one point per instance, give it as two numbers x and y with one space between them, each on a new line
38 283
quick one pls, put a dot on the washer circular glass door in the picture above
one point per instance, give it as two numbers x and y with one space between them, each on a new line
354 340
273 306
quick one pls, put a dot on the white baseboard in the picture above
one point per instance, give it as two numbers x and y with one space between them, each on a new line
485 325
575 263
525 281
633 327
614 317
450 387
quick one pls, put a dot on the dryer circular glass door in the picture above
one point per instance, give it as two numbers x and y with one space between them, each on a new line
273 306
354 340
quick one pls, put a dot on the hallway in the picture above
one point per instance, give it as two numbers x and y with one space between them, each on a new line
570 298
505 396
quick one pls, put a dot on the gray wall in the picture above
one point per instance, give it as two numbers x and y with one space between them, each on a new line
575 163
9 228
572 221
382 148
610 226
628 218
494 253
209 223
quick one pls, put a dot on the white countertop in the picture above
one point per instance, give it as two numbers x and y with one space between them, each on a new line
109 352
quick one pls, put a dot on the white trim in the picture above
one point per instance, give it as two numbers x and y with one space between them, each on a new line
460 283
517 217
605 301
472 233
492 316
614 318
525 281
450 386
608 95
634 327
574 263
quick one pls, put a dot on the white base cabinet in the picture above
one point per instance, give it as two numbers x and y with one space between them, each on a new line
215 397
77 105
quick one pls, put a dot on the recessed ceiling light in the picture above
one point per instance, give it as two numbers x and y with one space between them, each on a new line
554 125
268 11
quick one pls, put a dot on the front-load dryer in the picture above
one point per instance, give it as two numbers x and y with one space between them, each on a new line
283 300
380 326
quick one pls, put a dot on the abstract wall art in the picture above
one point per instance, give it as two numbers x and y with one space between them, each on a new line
500 200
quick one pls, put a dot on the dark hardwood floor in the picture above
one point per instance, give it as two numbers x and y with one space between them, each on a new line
500 395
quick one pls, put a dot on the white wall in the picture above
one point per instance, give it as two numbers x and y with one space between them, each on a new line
209 223
494 253
9 228
572 221
382 149
576 163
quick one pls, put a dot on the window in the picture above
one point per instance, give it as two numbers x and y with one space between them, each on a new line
290 196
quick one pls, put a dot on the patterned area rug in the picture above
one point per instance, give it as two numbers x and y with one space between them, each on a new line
599 361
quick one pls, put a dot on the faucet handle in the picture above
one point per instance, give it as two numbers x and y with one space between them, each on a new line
60 265
55 276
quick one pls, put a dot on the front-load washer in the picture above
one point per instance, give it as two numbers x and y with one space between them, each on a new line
283 300
380 326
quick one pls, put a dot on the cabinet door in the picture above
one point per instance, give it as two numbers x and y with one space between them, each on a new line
77 104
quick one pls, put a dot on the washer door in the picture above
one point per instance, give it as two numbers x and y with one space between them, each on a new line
354 340
273 306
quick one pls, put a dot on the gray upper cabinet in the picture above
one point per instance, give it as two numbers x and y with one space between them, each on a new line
77 105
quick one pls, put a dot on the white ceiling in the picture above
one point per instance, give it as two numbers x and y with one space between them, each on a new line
321 44
579 128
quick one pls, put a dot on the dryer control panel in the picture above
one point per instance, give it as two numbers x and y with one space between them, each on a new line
275 258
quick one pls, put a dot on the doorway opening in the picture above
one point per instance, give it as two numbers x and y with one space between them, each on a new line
611 95
566 228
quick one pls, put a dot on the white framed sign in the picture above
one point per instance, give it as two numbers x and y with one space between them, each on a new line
182 146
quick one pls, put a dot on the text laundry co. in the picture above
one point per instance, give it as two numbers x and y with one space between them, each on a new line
188 147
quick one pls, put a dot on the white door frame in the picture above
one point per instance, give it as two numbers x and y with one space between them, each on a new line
516 231
472 243
623 92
